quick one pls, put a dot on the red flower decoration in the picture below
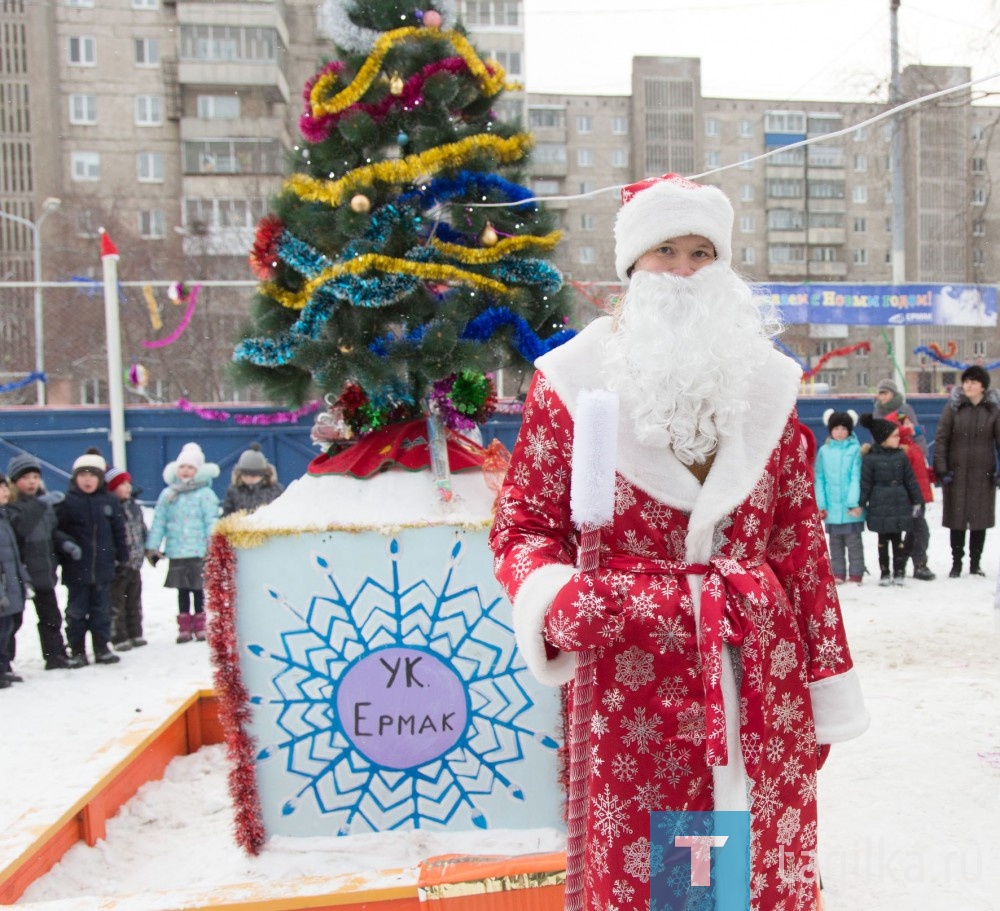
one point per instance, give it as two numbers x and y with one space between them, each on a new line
264 252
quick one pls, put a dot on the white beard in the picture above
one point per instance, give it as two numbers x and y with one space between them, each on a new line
681 355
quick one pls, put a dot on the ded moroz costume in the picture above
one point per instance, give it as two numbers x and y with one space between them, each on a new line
707 647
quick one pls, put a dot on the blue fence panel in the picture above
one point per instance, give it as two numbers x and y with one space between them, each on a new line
154 436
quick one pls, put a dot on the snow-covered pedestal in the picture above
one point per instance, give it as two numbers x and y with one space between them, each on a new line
365 658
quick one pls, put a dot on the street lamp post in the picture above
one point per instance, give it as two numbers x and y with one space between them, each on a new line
50 205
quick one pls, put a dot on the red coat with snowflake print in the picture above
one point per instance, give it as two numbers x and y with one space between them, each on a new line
692 580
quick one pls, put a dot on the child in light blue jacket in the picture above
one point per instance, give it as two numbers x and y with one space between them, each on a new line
838 494
183 519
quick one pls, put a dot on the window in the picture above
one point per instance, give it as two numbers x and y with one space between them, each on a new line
784 189
824 255
83 109
978 165
506 12
545 187
861 257
712 159
477 12
587 256
619 158
232 156
88 4
147 52
83 51
149 167
786 220
979 196
746 161
862 377
786 254
979 348
826 189
540 118
549 153
585 158
148 110
978 257
85 165
152 223
145 4
978 133
711 126
509 60
586 186
860 134
231 43
746 192
785 122
747 224
978 227
859 193
619 126
746 129
860 225
748 257
587 222
584 123
218 107
860 162
88 223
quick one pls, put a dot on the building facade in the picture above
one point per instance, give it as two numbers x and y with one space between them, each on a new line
172 123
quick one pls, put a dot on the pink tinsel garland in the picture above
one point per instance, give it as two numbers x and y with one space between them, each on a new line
234 703
256 420
192 299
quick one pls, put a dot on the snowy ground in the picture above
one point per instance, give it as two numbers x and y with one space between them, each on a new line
910 813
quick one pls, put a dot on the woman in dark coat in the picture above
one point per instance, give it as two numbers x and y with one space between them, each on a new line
890 493
965 445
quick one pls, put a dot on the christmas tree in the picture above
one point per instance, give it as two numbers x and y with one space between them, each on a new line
403 260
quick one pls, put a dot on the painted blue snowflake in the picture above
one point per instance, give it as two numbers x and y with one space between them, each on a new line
401 704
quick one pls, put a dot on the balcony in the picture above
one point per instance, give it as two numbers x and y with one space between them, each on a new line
825 270
211 74
236 13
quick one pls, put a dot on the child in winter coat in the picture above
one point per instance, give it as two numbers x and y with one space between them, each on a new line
915 543
838 495
126 590
890 493
93 519
35 524
13 579
254 483
185 513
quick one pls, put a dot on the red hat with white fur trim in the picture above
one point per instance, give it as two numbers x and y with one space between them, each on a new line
661 208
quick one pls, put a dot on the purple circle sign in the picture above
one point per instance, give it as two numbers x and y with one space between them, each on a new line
402 707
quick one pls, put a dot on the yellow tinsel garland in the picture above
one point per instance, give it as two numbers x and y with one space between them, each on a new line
480 255
408 169
425 271
489 83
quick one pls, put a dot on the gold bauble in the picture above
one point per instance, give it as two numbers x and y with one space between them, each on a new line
488 237
360 203
396 84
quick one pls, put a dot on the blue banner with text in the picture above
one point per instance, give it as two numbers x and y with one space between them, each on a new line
911 304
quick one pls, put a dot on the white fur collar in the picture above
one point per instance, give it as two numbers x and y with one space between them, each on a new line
739 462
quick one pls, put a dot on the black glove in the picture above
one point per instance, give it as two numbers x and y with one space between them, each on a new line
947 478
72 550
153 556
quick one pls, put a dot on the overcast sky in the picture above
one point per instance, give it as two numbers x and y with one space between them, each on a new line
774 49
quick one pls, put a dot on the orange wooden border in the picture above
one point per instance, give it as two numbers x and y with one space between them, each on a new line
449 883
194 724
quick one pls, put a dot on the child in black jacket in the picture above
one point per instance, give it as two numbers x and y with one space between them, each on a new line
890 493
93 519
34 520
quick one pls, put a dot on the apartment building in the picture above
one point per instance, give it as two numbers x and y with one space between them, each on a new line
172 123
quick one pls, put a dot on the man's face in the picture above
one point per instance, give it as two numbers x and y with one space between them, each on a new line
678 256
251 477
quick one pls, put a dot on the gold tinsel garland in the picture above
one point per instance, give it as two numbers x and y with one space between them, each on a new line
480 255
427 271
408 169
489 83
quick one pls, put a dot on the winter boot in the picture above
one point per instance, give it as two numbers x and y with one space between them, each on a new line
77 659
975 554
922 572
899 576
102 651
957 552
886 578
185 628
198 625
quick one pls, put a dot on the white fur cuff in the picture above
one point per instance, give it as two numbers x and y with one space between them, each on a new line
838 708
533 600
